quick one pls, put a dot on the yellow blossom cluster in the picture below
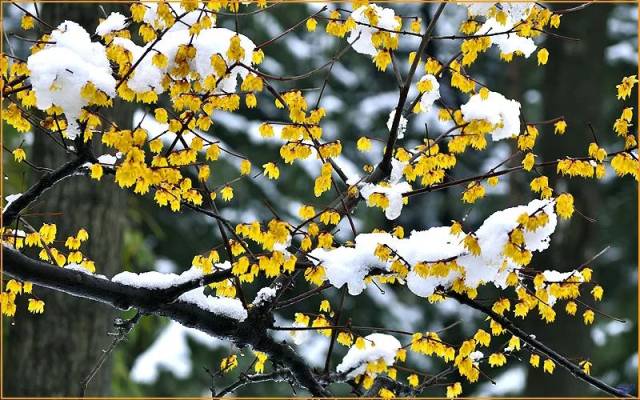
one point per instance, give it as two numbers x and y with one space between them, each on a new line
14 288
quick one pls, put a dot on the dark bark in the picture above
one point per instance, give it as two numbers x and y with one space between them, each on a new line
74 284
50 354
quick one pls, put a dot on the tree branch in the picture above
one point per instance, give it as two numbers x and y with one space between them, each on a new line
574 369
250 332
384 168
276 376
47 181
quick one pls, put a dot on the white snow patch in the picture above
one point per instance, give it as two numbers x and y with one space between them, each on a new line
10 199
511 382
207 43
497 110
114 22
393 191
228 307
170 352
107 159
507 42
265 294
377 346
360 37
350 265
429 97
61 70
402 124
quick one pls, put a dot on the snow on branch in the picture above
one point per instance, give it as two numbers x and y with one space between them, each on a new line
153 280
71 73
439 256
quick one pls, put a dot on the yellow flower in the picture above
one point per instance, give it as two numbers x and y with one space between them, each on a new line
386 393
474 191
586 367
315 275
236 51
363 144
588 316
257 56
549 366
416 25
137 11
96 171
213 152
514 343
482 337
260 360
425 85
250 100
271 171
27 22
161 115
203 172
401 355
571 308
432 66
398 231
266 130
543 56
413 380
625 88
325 306
227 193
454 390
14 287
534 360
627 114
306 212
528 161
48 233
471 244
560 127
382 60
597 292
484 93
36 306
564 205
160 61
72 243
497 360
155 146
19 155
245 167
345 339
229 363
311 24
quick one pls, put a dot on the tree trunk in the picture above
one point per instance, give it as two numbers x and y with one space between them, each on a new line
50 354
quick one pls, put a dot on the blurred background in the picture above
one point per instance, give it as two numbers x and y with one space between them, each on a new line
48 355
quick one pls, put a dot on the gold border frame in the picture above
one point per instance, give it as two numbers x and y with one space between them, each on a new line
637 127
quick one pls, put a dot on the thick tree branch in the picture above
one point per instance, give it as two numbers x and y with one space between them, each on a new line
250 332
